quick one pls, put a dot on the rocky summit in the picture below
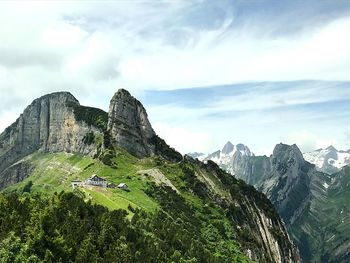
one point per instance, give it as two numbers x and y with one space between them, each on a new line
49 124
129 126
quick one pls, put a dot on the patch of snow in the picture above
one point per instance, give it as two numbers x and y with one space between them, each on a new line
328 157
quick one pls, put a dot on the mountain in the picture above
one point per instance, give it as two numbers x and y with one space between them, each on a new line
176 209
197 155
328 160
52 123
228 158
311 203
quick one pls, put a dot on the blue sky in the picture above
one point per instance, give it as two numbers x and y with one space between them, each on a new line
207 71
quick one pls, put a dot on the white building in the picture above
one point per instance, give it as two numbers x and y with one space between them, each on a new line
123 186
96 180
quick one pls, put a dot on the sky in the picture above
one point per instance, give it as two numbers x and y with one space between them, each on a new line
257 72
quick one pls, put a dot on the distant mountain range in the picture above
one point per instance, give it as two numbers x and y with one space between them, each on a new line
228 158
310 192
328 160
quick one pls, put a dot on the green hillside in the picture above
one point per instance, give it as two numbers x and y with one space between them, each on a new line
52 174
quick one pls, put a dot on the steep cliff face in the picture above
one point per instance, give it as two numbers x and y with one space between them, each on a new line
129 126
48 124
288 184
285 177
312 204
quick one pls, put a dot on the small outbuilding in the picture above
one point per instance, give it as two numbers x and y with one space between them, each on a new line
123 186
76 183
111 185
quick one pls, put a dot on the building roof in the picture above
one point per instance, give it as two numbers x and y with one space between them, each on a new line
94 177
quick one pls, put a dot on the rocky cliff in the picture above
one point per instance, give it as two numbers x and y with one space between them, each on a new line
52 123
287 186
312 204
129 128
285 177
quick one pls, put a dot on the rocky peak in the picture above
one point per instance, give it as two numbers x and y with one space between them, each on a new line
228 148
48 124
128 124
290 154
62 96
331 148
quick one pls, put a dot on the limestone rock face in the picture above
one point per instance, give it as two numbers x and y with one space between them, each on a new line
48 124
287 186
129 126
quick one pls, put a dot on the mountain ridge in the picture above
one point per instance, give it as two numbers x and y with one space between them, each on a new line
328 160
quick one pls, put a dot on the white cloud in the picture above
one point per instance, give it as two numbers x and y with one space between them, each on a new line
92 49
183 140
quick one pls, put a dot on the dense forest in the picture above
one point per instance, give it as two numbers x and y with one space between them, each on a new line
65 228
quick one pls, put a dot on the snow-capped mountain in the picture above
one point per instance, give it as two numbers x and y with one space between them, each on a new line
197 155
328 160
227 157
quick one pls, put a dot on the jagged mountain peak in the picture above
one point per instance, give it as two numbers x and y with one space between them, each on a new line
124 96
328 160
228 148
123 91
283 151
331 148
128 124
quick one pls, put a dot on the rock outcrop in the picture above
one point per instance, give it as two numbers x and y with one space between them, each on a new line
48 124
129 126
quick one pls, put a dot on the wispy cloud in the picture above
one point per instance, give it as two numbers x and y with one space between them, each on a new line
92 49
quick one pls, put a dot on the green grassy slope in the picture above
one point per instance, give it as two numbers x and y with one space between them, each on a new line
53 172
222 210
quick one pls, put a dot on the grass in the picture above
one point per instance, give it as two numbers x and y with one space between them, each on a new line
54 172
